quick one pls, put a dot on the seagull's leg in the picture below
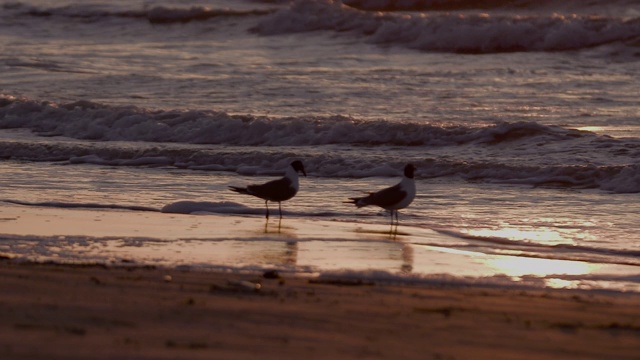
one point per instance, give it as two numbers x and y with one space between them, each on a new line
280 208
266 203
393 230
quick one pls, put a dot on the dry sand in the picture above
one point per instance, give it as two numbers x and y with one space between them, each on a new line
53 311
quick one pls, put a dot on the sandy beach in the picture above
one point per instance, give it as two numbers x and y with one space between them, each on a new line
53 311
134 290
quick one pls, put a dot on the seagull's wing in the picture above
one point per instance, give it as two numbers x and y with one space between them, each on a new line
275 190
386 197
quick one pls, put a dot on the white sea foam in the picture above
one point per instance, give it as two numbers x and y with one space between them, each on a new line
625 181
197 207
71 205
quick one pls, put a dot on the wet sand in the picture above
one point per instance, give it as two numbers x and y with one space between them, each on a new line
52 311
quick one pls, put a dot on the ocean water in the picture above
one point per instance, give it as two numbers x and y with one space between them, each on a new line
522 118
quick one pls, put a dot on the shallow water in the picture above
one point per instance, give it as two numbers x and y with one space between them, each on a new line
489 233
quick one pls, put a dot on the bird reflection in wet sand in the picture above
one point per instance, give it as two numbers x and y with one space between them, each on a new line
276 230
286 235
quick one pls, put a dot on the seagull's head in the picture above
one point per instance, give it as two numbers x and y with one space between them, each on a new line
409 169
298 167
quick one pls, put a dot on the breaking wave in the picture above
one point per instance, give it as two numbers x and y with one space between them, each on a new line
155 15
94 121
521 5
450 32
526 153
461 32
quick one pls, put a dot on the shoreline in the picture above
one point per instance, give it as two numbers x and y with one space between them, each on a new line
217 242
58 311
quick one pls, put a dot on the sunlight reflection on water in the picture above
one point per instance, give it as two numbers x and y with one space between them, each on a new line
520 266
537 235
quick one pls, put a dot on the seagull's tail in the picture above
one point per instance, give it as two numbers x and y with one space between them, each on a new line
241 190
359 202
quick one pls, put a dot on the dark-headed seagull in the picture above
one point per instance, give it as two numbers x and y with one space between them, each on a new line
392 198
276 190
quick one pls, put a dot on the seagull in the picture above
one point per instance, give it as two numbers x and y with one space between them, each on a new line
276 190
392 198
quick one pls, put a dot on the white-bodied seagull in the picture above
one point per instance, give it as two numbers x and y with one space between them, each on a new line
392 198
276 190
